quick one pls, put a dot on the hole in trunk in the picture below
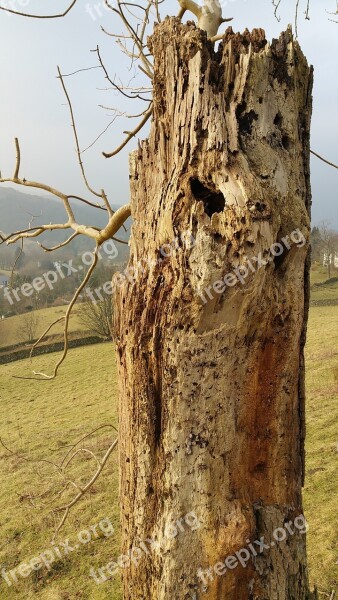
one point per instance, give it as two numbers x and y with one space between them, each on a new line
245 119
213 200
278 120
286 142
280 255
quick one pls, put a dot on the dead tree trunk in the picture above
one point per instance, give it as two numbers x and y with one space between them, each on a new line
212 374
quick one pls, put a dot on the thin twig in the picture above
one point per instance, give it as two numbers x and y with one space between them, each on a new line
324 159
58 246
66 508
96 205
107 203
18 159
131 134
98 137
67 317
78 151
80 71
55 16
86 436
16 262
120 89
30 460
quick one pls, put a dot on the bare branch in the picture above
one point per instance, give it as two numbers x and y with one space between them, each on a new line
67 317
98 137
131 134
78 151
18 159
112 82
54 16
16 262
80 71
4 239
58 246
136 39
296 17
324 159
116 35
307 12
119 113
66 508
84 438
115 223
106 201
116 220
60 469
145 20
209 16
145 72
43 335
96 205
276 4
21 457
334 13
41 186
35 232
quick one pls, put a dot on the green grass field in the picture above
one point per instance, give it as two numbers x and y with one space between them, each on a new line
42 420
10 327
322 446
321 287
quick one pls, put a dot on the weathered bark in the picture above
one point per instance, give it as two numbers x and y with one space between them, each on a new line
212 394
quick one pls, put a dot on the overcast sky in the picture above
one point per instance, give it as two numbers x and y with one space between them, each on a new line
32 105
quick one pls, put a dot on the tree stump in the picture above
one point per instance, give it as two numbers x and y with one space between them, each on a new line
211 370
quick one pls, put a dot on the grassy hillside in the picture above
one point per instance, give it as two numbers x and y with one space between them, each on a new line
11 328
42 420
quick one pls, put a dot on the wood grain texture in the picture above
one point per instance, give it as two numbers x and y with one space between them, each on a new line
212 394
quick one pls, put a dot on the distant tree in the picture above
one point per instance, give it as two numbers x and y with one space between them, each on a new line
329 245
19 258
3 304
28 327
97 317
316 245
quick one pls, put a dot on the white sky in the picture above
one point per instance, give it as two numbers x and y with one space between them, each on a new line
32 105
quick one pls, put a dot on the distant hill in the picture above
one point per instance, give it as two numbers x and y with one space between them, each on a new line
18 208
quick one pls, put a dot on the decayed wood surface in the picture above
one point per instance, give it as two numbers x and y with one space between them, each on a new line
212 395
